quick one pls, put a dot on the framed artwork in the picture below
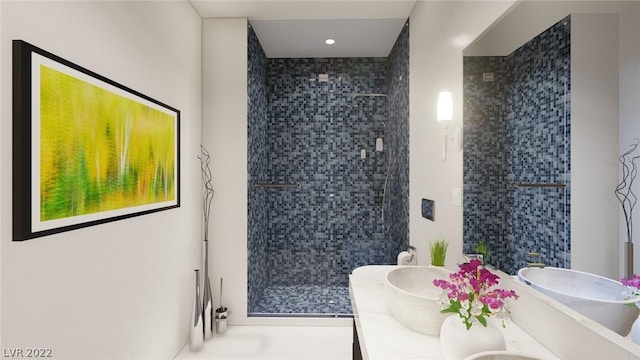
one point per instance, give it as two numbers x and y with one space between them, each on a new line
86 150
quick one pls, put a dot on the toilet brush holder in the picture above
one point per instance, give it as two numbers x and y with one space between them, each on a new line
221 320
221 315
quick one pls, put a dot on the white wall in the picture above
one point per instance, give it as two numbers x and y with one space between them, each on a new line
2 203
439 32
224 73
122 289
629 66
594 143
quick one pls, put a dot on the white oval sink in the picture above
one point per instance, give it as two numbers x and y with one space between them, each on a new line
501 355
599 298
412 297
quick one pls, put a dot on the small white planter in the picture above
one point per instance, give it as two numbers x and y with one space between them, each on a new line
458 343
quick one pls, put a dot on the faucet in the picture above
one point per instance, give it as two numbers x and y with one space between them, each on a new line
411 250
469 257
533 254
536 265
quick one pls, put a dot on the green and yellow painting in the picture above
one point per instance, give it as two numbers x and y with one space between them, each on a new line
99 150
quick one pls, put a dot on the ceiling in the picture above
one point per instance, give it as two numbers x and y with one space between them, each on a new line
298 28
527 19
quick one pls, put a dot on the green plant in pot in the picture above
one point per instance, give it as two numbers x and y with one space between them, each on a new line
438 249
483 249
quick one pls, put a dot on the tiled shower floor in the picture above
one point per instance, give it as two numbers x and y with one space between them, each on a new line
304 300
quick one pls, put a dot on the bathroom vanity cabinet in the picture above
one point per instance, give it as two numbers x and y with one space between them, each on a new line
356 352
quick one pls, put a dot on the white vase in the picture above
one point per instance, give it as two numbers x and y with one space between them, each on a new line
635 331
457 342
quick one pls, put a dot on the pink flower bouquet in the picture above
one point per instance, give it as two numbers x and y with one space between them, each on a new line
471 295
633 286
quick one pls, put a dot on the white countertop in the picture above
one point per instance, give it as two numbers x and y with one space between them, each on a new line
382 337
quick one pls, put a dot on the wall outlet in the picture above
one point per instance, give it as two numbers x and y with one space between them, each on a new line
456 196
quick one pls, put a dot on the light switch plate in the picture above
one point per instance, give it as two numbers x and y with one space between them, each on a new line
456 196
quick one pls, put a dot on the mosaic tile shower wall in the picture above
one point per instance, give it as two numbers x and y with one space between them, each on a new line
315 136
484 160
307 239
517 130
538 138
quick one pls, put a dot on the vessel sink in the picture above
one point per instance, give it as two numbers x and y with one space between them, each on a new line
501 355
604 300
412 297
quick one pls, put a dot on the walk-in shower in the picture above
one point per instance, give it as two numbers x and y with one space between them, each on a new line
327 159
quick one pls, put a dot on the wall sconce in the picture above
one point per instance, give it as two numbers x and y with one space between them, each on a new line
445 106
445 115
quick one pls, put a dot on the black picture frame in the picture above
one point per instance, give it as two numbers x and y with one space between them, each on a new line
104 194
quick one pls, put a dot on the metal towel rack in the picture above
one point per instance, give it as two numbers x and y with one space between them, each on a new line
538 185
275 185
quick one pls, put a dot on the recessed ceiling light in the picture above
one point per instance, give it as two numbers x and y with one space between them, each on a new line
329 41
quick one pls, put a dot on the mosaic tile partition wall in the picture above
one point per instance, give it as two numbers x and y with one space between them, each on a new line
312 133
257 169
398 187
517 130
